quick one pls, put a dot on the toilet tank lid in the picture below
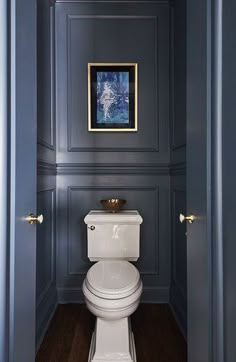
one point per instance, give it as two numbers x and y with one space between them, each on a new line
122 217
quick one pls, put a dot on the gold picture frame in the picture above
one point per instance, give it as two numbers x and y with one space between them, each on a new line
112 97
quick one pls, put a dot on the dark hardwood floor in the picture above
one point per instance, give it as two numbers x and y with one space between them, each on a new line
157 337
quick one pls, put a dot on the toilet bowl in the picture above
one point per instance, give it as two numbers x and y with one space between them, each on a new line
112 287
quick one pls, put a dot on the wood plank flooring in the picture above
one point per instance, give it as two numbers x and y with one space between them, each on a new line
157 337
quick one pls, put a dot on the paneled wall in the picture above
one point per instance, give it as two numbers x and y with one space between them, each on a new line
77 168
111 32
46 297
92 166
77 194
178 293
45 82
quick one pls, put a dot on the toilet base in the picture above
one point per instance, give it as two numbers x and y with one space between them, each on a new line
112 341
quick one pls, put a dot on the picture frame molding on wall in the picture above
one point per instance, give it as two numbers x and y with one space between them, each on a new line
132 124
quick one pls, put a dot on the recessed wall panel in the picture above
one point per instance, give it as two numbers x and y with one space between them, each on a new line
45 72
45 258
96 39
179 241
115 34
178 293
46 298
78 194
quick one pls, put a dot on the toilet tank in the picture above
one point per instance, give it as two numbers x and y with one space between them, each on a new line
113 236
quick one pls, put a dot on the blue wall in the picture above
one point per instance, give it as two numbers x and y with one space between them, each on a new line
77 168
92 166
178 292
229 177
46 297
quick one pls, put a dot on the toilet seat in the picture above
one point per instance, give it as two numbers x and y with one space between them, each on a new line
104 306
112 279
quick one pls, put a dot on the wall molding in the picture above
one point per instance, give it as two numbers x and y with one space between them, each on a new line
44 143
176 146
46 168
177 168
179 313
45 318
112 149
101 169
164 2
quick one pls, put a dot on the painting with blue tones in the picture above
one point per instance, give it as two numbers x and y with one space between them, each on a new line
112 96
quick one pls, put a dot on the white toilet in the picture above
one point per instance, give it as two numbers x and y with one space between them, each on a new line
112 287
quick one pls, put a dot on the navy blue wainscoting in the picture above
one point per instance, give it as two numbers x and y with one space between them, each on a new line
77 195
178 291
178 294
46 296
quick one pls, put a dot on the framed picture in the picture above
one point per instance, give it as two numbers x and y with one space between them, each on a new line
112 97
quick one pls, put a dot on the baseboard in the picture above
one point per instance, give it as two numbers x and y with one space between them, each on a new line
178 320
70 295
155 295
150 295
178 305
44 314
